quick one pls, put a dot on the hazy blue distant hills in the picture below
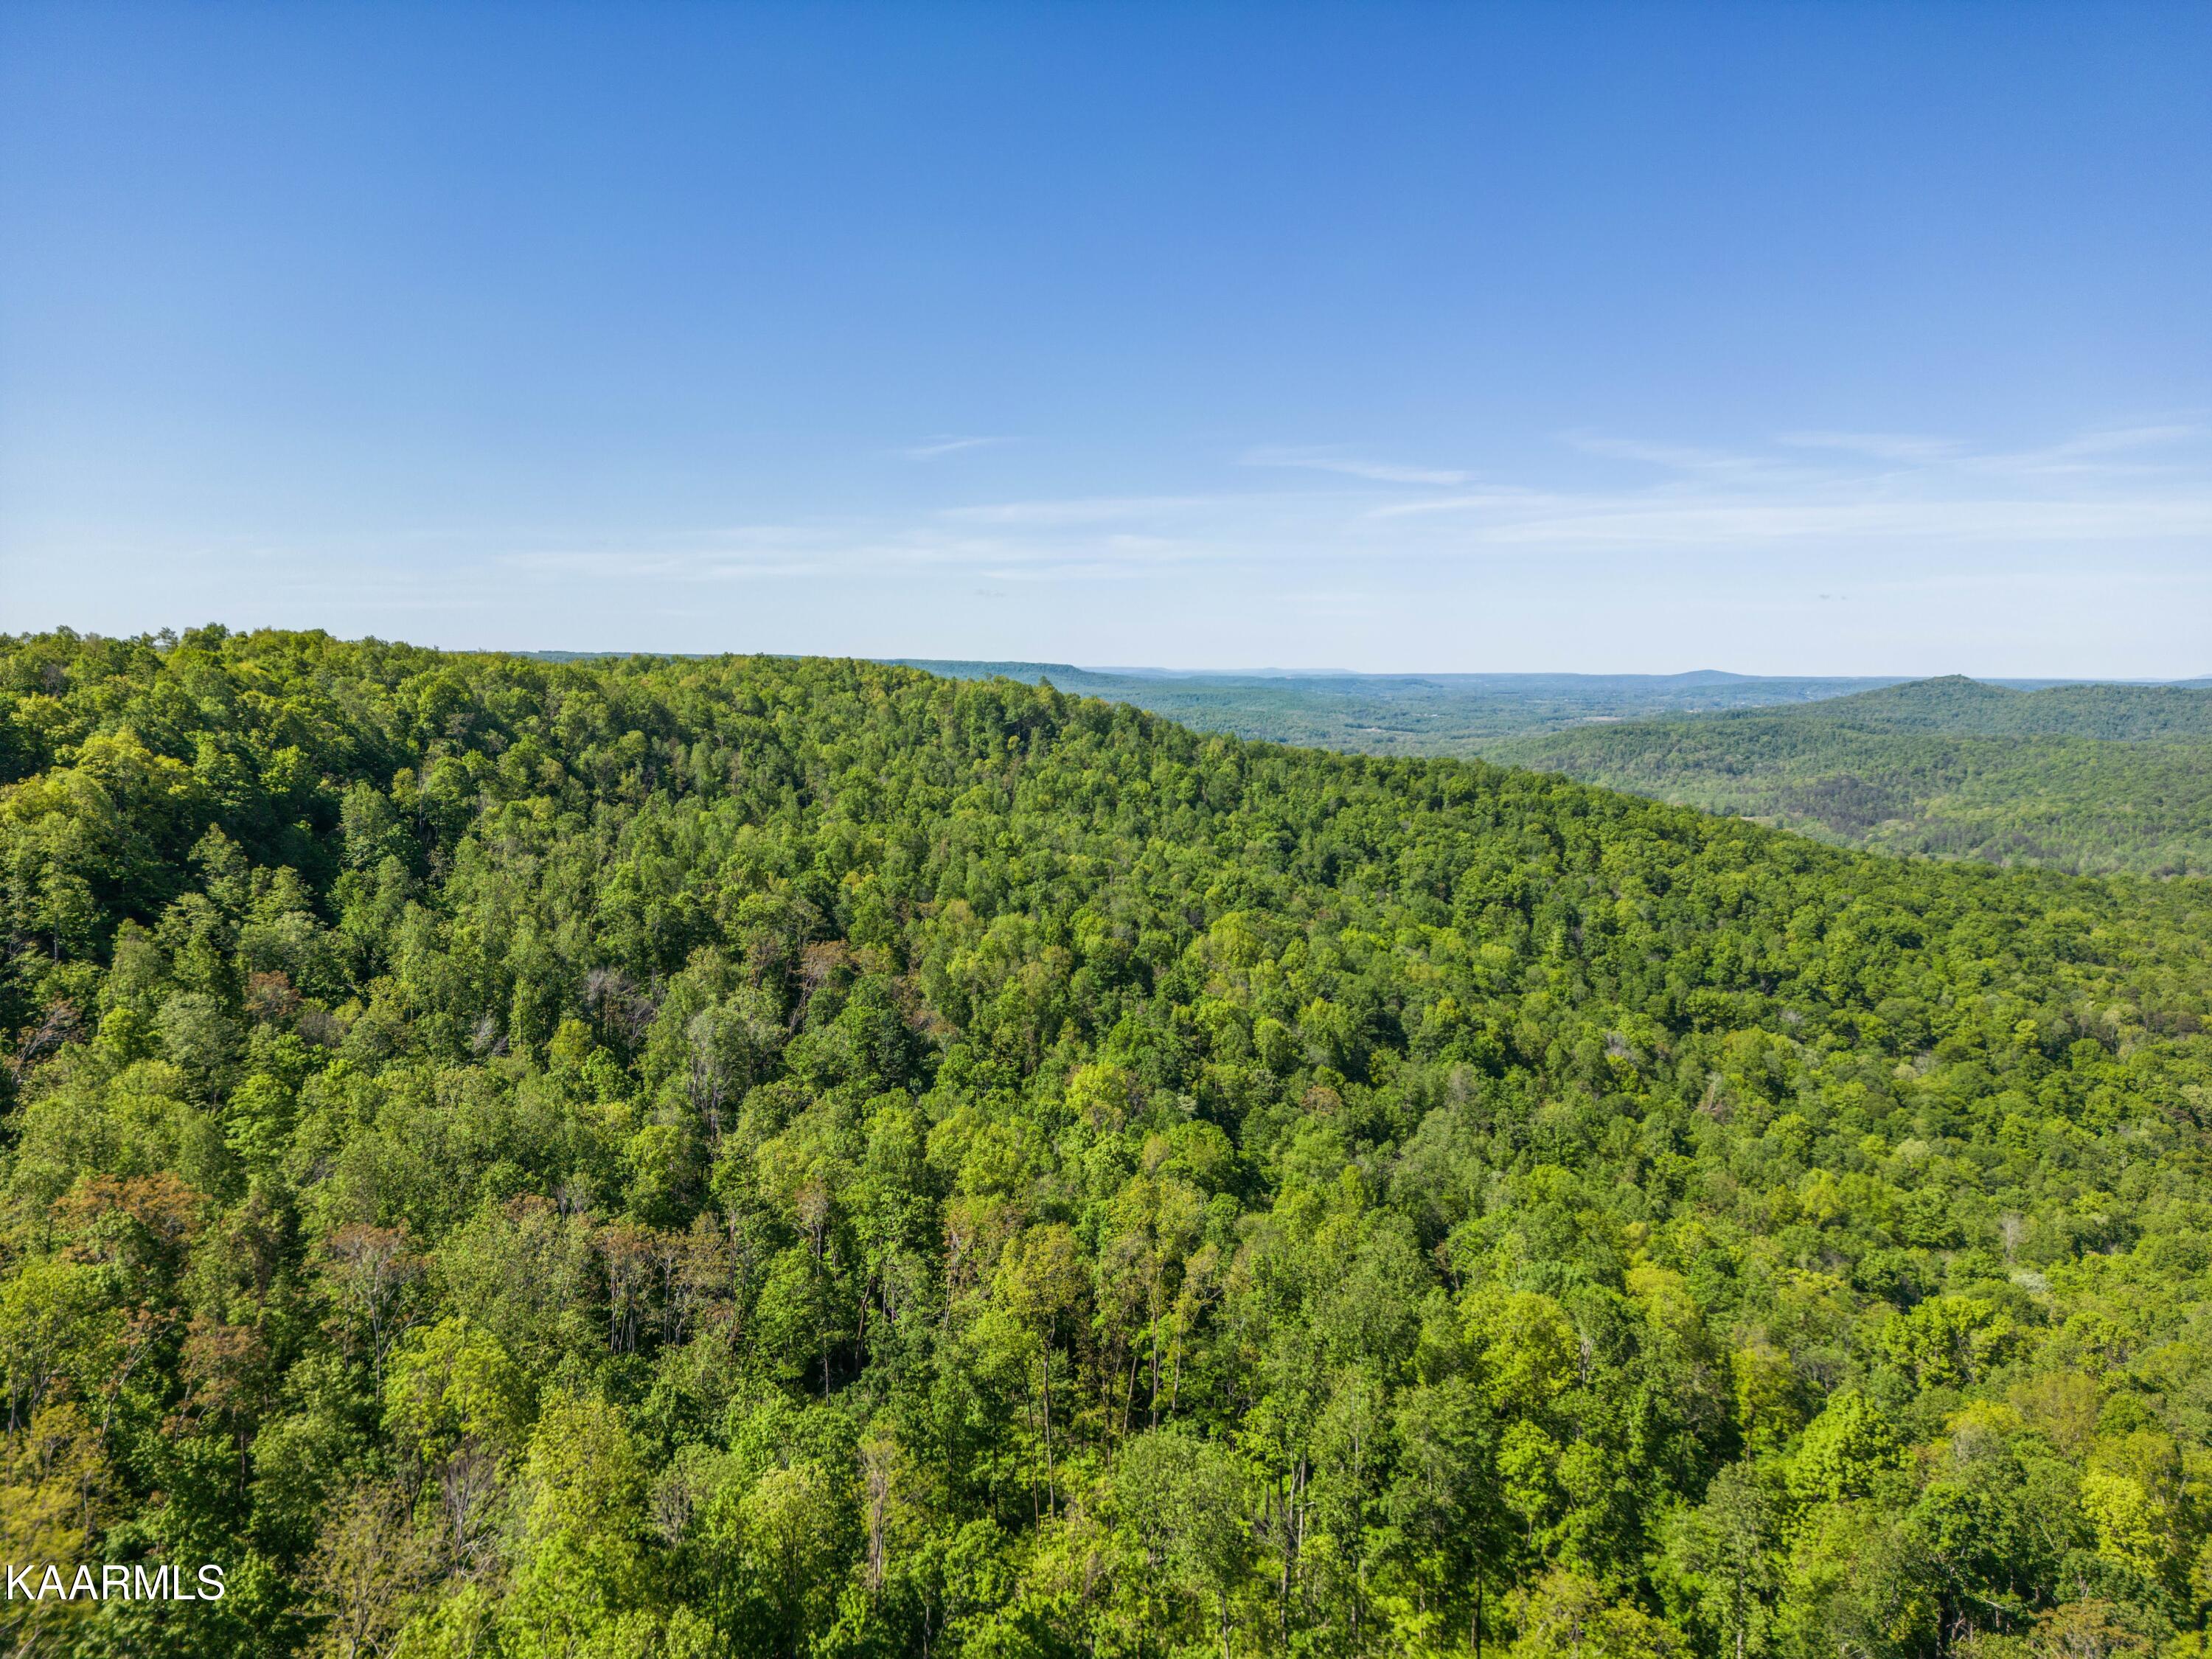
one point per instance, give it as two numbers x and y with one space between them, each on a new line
1462 714
1406 713
1701 683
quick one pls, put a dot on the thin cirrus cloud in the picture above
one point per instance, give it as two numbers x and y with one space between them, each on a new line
2143 483
930 449
1839 493
1086 510
1911 448
1685 459
1349 466
730 553
695 565
2127 451
1087 538
1612 522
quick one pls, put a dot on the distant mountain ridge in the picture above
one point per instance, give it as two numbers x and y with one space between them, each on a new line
1403 714
1783 687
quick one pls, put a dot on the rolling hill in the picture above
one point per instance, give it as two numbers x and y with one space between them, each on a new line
2081 777
2085 778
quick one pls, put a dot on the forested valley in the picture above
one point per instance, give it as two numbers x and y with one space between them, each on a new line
795 1158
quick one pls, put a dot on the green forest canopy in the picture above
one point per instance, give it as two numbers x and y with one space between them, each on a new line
2085 778
792 1156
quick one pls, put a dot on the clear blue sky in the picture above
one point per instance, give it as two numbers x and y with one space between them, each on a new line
1843 338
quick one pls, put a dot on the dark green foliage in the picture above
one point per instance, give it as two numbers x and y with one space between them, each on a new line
751 1156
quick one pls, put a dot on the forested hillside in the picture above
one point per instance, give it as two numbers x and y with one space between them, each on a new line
1950 768
1964 707
2083 778
799 1158
1408 713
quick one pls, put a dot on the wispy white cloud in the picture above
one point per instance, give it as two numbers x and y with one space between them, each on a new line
1324 460
2092 488
1718 521
1080 509
1671 457
1838 494
1912 448
2100 451
691 567
930 448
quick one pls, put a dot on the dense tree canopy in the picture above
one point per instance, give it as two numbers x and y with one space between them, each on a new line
2091 779
799 1158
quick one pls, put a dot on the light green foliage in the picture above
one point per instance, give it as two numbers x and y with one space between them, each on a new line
750 1157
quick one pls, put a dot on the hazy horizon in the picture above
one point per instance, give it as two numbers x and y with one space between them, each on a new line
1189 671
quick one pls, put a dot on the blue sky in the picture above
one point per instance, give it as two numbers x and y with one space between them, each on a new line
1785 338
